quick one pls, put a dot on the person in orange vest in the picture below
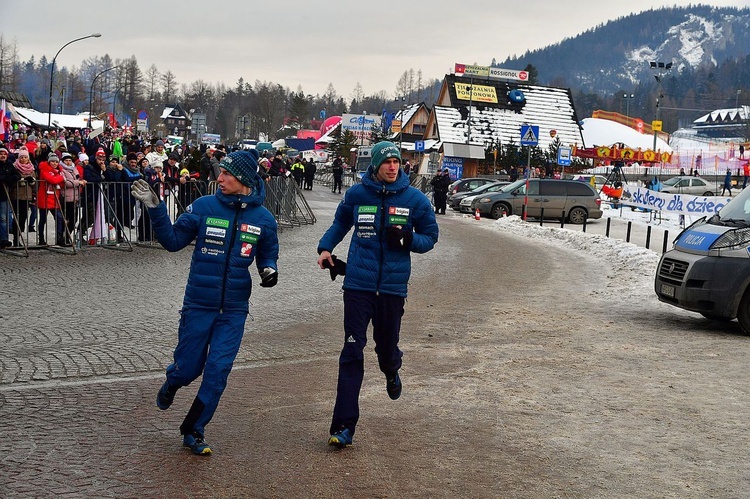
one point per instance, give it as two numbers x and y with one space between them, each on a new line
745 173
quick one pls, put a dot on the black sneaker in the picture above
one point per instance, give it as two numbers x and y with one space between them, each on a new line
165 397
393 387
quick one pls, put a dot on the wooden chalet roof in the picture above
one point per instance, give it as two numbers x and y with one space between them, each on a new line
550 108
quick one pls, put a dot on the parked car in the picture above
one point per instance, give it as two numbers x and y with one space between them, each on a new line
466 184
464 205
576 201
456 199
695 186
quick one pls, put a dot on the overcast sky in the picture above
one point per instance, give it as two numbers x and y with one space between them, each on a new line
304 43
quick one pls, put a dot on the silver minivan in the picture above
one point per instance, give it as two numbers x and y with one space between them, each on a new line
548 198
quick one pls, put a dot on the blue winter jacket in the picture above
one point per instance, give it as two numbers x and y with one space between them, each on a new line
229 232
371 207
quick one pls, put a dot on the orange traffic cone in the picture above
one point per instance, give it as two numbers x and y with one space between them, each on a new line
476 215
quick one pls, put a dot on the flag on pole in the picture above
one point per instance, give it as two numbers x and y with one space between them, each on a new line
3 130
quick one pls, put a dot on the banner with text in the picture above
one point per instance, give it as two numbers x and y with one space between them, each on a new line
676 203
361 125
491 72
476 93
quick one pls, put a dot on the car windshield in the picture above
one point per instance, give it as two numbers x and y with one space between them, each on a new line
483 188
738 210
513 186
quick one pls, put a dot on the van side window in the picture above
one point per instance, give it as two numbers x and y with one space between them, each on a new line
533 188
553 188
579 189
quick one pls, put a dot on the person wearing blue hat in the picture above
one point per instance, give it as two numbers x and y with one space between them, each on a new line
391 220
231 229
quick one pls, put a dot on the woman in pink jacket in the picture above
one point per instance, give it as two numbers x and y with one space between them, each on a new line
69 200
50 182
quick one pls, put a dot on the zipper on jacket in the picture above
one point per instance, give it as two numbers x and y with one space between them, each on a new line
382 236
235 228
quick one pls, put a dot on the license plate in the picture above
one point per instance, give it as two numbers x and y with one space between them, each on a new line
667 290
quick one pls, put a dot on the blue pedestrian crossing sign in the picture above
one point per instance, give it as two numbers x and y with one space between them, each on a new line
529 135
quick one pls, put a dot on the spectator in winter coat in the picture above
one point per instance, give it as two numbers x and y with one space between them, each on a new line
440 185
310 170
23 193
230 229
9 176
391 220
338 174
71 193
158 155
727 183
50 183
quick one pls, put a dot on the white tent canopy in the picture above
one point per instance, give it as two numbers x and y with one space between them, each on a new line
58 120
599 132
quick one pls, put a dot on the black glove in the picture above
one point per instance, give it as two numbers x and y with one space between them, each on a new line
268 277
338 268
398 238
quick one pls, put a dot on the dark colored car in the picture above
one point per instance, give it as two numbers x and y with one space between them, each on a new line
550 198
455 201
465 185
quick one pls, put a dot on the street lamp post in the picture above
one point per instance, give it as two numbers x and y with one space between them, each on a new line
659 69
362 136
627 98
52 73
401 120
91 90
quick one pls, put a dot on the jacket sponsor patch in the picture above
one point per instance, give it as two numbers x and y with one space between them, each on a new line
395 220
367 209
246 249
366 219
252 229
217 222
212 251
248 238
394 210
366 234
215 232
217 242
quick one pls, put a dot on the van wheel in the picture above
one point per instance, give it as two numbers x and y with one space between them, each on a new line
577 216
499 211
743 313
708 193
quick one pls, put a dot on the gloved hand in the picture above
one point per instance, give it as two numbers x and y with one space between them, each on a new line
338 268
142 192
398 238
268 277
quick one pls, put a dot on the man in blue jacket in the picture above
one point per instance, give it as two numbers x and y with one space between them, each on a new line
391 220
230 229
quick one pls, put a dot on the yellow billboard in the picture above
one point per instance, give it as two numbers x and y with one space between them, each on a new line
476 93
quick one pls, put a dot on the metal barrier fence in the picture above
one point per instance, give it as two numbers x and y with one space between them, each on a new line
105 214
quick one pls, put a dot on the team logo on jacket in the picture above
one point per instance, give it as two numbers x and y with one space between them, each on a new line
248 238
252 229
394 210
218 242
246 249
367 209
395 220
215 232
366 219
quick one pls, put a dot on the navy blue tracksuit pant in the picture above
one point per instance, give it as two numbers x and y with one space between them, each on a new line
207 342
360 308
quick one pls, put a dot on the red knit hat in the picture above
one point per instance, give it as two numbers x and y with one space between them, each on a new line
101 152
